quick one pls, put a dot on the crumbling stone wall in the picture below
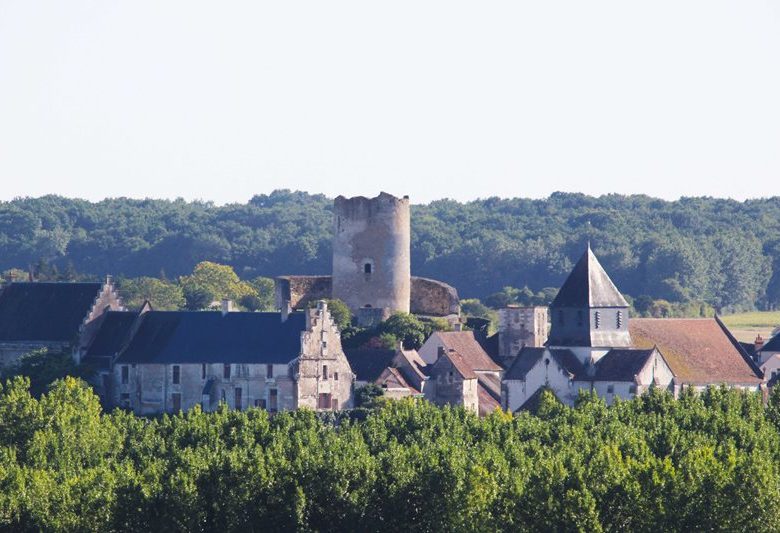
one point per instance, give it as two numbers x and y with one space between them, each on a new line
433 298
299 291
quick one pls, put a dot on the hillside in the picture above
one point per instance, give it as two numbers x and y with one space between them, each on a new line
724 252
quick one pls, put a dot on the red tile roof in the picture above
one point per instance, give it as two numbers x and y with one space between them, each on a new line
469 348
487 403
699 351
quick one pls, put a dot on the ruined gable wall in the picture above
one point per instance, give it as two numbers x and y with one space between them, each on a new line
433 298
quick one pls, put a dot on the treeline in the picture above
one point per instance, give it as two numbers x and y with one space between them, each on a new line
721 253
704 463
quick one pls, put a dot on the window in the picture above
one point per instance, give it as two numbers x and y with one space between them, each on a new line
203 371
325 372
176 374
334 404
335 376
124 399
324 401
367 268
238 400
269 371
273 400
610 389
260 402
619 319
125 374
176 401
597 319
226 372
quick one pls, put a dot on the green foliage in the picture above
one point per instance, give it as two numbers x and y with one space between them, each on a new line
211 282
163 295
43 367
704 462
722 252
340 313
369 395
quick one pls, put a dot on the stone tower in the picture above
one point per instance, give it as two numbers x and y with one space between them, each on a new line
371 255
519 327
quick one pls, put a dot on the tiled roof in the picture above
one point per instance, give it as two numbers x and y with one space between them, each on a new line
368 364
113 333
460 364
45 311
486 402
469 349
392 378
588 285
698 350
211 337
621 364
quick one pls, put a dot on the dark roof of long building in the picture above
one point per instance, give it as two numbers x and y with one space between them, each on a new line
588 285
212 337
113 333
368 364
36 311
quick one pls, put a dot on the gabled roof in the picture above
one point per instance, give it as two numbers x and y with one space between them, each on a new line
621 364
166 337
486 400
391 378
529 356
466 344
113 333
368 364
699 351
458 363
588 285
773 345
36 311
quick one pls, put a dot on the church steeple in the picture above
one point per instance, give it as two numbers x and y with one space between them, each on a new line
589 310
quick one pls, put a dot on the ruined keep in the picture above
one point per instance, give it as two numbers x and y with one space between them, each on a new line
371 255
371 266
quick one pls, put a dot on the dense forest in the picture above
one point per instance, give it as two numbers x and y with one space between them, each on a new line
707 462
721 252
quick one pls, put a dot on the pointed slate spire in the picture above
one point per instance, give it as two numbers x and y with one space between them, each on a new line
588 286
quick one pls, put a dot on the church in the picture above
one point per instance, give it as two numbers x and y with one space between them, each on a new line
594 345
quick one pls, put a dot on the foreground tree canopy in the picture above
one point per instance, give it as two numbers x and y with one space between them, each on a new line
705 462
722 252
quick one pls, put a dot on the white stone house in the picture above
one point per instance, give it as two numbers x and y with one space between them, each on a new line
170 361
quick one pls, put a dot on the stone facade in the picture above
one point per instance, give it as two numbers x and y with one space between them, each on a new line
300 291
519 327
323 377
434 298
371 253
450 385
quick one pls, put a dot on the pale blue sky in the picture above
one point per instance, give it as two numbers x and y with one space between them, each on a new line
223 100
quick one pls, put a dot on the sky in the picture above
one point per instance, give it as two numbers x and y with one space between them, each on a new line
220 101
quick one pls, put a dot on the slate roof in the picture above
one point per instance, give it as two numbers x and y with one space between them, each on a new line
368 365
699 351
529 356
621 364
588 285
113 333
486 401
36 311
466 344
392 375
165 337
773 345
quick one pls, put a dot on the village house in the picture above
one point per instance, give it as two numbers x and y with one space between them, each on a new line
58 316
767 356
593 345
398 372
166 361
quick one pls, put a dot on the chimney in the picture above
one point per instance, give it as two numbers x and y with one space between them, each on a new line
109 279
457 326
227 306
759 343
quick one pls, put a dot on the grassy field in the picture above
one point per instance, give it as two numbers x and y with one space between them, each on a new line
745 326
